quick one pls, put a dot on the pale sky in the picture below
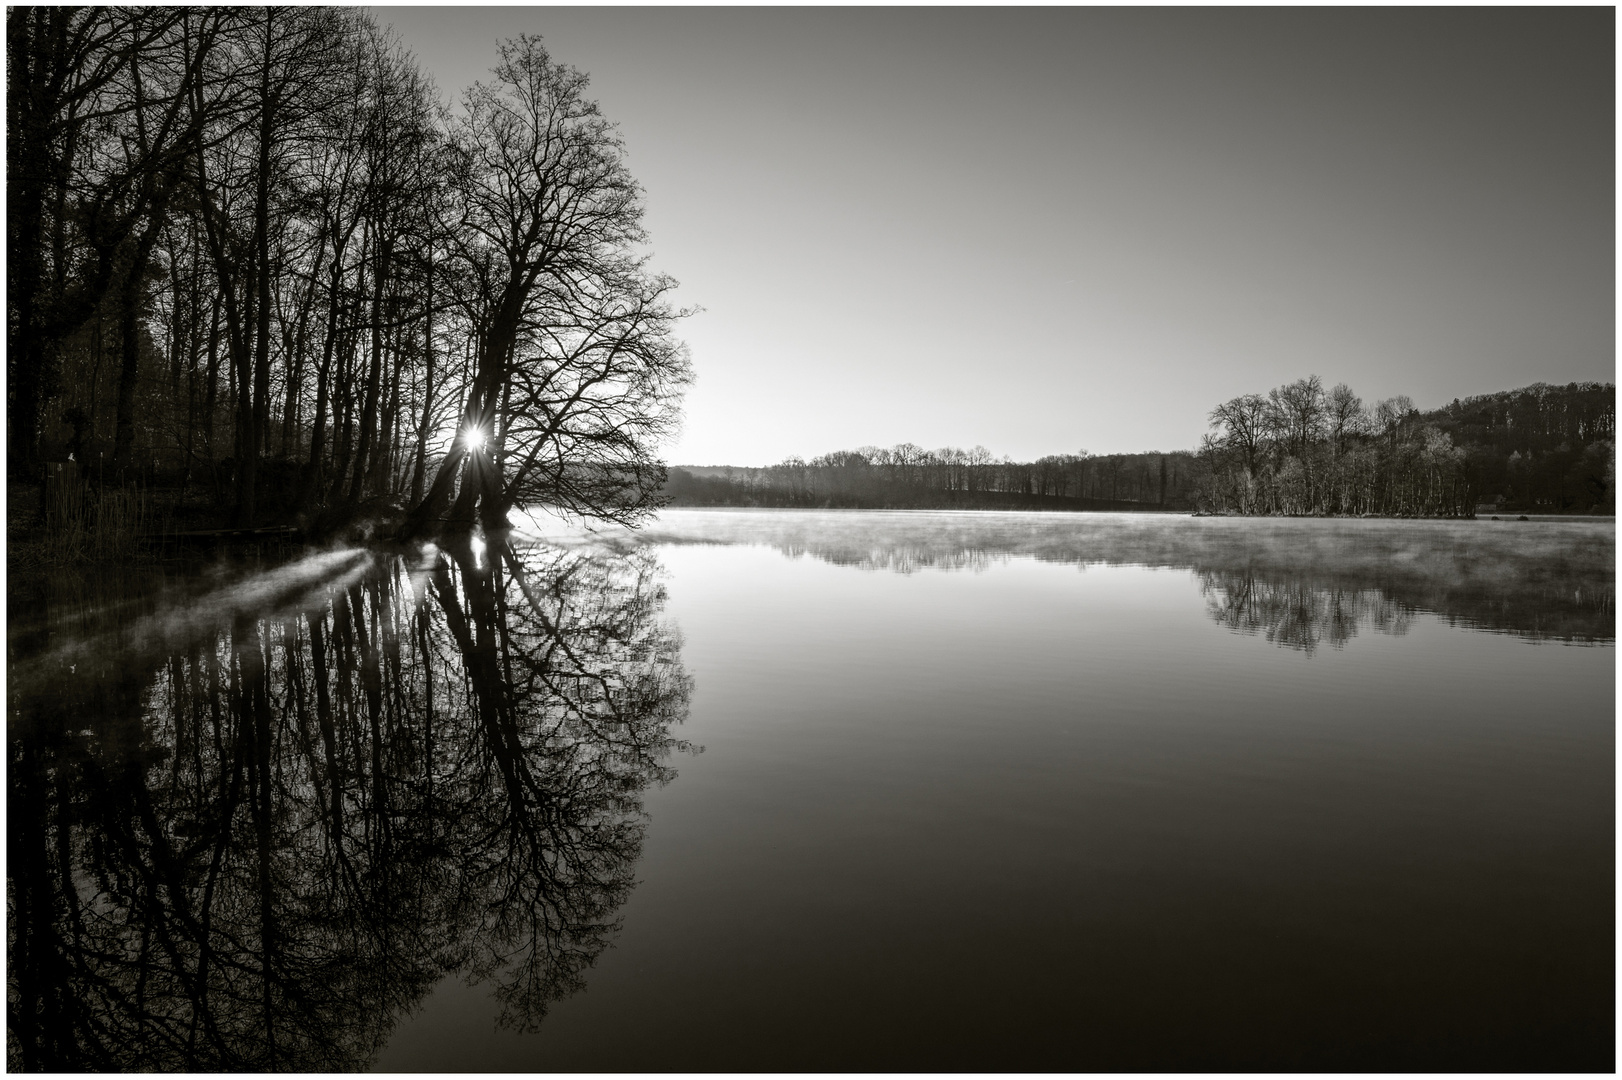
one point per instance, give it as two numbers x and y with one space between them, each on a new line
1044 230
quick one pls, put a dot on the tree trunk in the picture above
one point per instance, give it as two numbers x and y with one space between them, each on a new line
129 341
419 468
130 338
295 373
374 374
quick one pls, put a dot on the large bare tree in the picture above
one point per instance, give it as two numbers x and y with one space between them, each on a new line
576 371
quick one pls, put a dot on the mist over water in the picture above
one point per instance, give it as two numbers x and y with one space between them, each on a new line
985 791
1552 579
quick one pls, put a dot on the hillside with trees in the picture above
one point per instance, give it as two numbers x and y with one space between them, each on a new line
257 269
1541 448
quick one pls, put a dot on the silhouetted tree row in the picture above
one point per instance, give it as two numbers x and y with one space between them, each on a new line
908 476
1301 449
242 841
249 250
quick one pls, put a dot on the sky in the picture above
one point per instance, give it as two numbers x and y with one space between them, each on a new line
1058 229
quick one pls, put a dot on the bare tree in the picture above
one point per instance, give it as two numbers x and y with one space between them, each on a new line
1345 414
1243 421
1299 412
576 372
101 125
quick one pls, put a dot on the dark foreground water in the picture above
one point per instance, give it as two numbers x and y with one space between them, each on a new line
775 790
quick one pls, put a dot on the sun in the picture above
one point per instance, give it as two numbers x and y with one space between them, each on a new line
473 438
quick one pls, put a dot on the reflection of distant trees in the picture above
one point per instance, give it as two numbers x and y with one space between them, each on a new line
899 559
253 851
1549 580
1297 612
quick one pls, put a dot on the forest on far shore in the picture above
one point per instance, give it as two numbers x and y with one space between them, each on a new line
1299 449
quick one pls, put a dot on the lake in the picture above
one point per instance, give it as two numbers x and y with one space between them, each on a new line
776 790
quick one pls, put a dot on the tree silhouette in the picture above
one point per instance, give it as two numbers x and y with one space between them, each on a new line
249 244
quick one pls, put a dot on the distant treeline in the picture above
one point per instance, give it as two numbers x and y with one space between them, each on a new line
1301 449
910 477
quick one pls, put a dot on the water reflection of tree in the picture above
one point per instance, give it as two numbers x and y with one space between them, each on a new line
253 851
1297 612
899 559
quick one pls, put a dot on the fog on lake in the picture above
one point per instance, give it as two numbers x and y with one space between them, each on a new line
779 790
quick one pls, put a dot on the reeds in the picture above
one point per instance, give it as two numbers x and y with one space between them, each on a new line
91 524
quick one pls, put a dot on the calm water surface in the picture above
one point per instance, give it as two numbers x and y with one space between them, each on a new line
775 790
